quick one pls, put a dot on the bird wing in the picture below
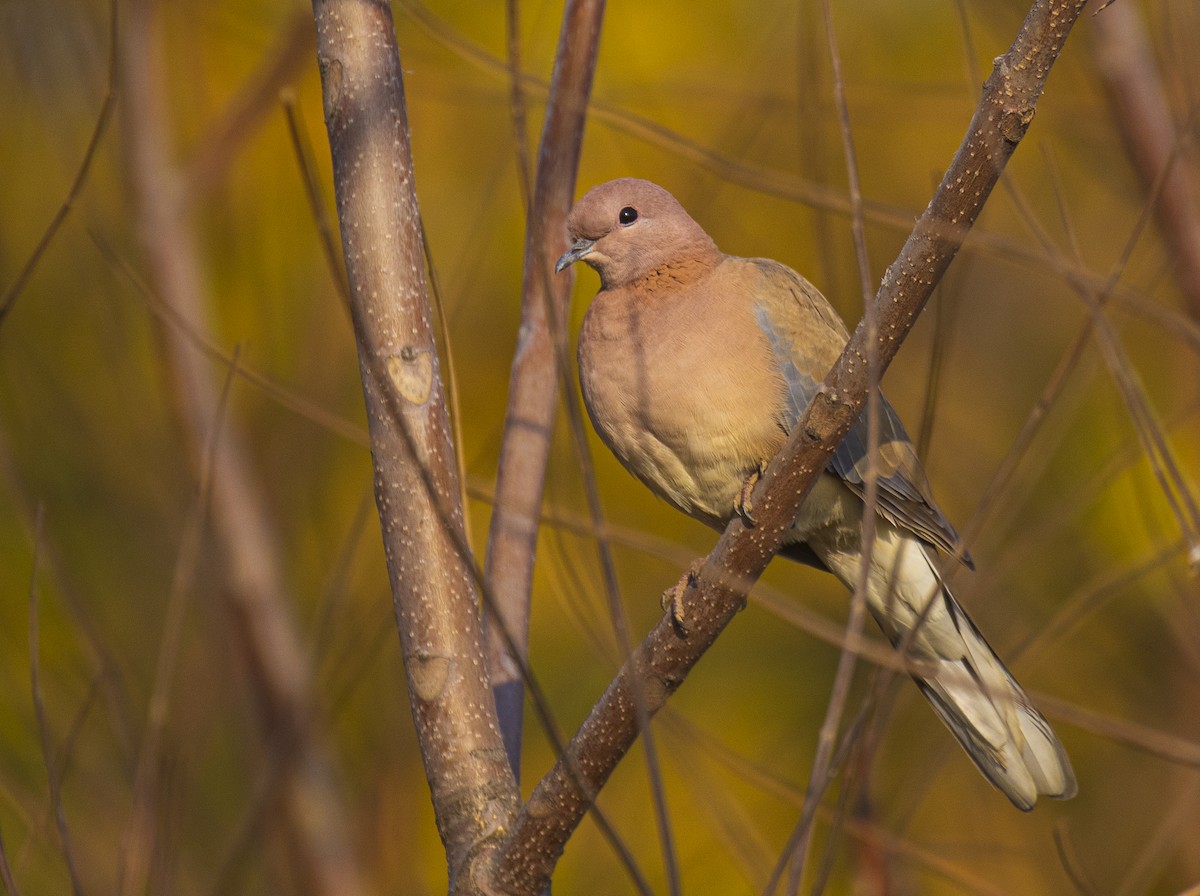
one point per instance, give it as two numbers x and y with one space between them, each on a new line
807 336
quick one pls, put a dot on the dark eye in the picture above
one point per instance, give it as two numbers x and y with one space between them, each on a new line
628 215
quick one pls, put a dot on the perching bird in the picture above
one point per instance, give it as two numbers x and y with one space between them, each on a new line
696 365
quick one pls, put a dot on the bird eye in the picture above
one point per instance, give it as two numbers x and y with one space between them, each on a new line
628 215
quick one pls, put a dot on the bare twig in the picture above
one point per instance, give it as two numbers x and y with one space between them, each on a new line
201 341
664 658
1160 744
1160 845
1175 487
1071 863
326 234
139 838
416 489
737 171
9 297
801 839
43 726
102 657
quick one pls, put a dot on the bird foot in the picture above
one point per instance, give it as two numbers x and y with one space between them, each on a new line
743 506
672 598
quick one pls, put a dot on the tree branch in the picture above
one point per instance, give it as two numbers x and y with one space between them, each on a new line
662 661
416 489
533 395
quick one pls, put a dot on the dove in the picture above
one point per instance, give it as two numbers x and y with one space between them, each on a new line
695 366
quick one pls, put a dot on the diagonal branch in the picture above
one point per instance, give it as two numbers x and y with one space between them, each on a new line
662 661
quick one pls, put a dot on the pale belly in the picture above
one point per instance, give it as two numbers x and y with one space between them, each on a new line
691 450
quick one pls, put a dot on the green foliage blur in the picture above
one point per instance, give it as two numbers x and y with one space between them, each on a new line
1082 581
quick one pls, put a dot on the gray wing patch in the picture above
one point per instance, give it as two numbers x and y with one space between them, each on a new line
905 499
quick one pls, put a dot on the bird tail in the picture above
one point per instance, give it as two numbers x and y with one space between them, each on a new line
968 686
984 707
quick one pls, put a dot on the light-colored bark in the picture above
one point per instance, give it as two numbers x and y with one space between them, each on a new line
416 483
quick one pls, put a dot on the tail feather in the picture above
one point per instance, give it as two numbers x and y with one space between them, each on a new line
1045 757
1009 741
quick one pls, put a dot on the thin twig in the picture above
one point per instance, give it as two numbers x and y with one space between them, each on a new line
138 842
821 777
1071 863
326 233
1173 484
1160 744
39 710
9 297
6 875
200 341
726 167
250 107
516 100
453 394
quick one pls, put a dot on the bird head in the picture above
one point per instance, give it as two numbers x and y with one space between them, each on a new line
628 228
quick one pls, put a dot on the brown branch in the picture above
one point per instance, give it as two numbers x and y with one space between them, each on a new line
256 594
662 661
416 490
529 420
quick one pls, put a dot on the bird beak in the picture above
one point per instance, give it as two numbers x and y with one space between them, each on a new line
576 252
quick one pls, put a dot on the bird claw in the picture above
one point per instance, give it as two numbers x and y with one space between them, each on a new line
672 598
743 505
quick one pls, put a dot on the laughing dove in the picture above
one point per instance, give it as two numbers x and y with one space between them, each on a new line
696 365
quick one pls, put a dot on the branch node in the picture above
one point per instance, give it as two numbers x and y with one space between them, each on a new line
1015 123
411 371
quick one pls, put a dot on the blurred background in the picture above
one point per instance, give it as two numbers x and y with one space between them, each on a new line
137 749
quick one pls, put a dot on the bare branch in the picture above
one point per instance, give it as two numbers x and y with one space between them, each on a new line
661 662
797 850
416 489
39 711
9 296
529 420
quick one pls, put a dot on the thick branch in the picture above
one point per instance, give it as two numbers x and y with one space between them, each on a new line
664 658
416 489
529 420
